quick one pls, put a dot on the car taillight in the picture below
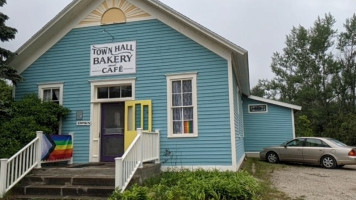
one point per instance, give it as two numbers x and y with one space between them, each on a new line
352 153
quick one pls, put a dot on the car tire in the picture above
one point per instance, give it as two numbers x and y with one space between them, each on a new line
272 157
328 162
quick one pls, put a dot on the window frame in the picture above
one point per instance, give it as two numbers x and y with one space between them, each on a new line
96 84
250 105
51 86
181 77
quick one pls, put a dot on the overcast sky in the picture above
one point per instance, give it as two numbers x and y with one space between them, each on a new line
259 26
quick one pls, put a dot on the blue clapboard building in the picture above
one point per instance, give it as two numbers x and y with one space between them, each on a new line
119 65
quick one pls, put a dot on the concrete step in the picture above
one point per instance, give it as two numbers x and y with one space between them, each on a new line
63 190
69 180
51 197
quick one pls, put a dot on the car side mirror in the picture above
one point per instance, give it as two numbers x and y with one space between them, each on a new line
285 146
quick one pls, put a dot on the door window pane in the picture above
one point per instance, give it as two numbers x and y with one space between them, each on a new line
296 143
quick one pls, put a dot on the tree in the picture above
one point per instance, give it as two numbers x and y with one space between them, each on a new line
317 70
6 34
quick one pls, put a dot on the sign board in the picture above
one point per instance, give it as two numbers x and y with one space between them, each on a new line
113 58
83 123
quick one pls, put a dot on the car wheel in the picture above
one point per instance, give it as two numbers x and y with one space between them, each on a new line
272 157
328 162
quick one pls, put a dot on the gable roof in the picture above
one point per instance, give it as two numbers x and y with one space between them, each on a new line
77 10
278 103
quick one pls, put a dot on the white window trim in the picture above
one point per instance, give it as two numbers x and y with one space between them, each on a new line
249 105
95 84
187 76
45 86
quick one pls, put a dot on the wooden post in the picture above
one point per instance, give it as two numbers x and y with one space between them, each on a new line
158 146
118 173
70 162
140 148
39 148
3 178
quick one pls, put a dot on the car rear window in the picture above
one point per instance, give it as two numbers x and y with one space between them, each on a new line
337 142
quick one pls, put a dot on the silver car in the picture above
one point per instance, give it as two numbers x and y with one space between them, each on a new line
327 152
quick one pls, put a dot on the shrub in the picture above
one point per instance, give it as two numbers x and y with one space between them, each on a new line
198 185
28 116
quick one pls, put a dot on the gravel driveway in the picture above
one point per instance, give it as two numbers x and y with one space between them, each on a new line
314 183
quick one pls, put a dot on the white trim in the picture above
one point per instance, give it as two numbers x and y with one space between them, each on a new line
293 125
197 167
258 112
232 115
193 78
112 82
94 144
45 86
278 103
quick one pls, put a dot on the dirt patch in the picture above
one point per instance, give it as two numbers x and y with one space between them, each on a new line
316 183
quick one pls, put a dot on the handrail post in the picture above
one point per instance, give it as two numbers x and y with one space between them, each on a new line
39 148
118 172
140 148
3 170
158 147
70 162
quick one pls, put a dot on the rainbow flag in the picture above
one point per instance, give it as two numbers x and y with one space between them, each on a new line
188 126
57 147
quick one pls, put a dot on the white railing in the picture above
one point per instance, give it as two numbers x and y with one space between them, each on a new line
19 165
144 148
12 170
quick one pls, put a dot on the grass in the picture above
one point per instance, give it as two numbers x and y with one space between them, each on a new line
263 172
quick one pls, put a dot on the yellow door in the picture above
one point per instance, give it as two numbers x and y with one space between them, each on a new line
138 114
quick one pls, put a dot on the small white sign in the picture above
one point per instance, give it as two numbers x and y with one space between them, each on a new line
83 123
113 58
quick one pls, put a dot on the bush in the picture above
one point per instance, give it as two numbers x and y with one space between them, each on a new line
28 116
198 185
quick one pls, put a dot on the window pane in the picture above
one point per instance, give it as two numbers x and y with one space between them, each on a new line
188 113
187 86
188 126
177 127
55 94
177 100
103 93
47 96
114 92
258 108
126 91
187 99
176 87
177 113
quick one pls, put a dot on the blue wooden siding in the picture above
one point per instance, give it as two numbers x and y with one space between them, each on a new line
160 50
266 129
238 122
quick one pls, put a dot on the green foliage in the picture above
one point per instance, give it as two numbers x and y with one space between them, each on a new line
5 101
6 34
317 70
303 126
26 117
200 185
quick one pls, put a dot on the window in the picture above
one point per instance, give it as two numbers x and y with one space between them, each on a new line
182 105
311 142
114 92
296 143
257 108
51 92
